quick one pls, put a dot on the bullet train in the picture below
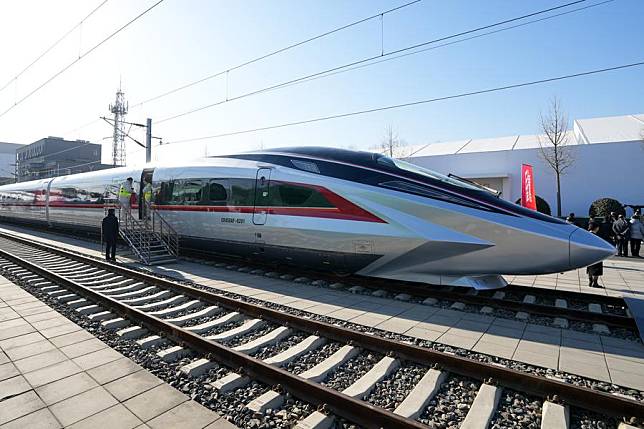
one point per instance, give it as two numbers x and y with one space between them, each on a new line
339 210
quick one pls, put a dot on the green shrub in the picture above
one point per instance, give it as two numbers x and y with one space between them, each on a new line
604 206
542 205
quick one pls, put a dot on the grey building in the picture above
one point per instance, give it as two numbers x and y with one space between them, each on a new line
7 162
55 156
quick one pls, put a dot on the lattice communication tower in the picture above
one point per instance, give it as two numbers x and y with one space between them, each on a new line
119 109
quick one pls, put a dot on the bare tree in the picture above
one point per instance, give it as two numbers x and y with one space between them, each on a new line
553 145
392 145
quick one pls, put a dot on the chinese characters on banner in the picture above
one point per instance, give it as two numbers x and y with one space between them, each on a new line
528 198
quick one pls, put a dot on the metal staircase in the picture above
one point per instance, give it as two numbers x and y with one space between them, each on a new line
152 240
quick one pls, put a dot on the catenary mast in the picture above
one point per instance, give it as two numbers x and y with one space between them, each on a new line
119 109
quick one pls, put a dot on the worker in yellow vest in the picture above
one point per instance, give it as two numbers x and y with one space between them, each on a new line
147 198
125 193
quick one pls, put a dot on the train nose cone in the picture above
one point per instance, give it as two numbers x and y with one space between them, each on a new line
587 249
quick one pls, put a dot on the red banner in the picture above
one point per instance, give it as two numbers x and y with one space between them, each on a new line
528 198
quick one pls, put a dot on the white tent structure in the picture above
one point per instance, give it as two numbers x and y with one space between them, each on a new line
608 154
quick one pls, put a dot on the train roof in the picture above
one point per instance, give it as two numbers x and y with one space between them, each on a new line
362 158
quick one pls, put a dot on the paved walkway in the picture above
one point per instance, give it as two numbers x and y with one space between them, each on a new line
622 276
54 374
596 356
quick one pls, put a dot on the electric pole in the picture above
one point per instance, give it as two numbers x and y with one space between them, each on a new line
148 140
119 109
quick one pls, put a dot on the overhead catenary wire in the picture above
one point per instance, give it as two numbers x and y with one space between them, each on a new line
80 57
275 52
382 59
260 58
85 125
53 45
368 59
412 103
87 143
453 42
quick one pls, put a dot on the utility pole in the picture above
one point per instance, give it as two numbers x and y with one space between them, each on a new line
148 140
122 134
119 109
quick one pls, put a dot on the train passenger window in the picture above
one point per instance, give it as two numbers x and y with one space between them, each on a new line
176 197
290 195
242 192
187 192
192 191
217 193
165 194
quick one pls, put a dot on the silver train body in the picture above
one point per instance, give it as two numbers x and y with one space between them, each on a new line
344 211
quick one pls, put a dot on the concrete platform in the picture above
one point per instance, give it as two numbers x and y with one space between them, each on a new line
53 374
595 356
622 276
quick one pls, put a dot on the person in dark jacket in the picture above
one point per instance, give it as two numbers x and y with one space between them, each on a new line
611 220
595 270
621 229
605 229
110 228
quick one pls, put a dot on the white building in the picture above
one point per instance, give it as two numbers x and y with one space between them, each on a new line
608 154
8 161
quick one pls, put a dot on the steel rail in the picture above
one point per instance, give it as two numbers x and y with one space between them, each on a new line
439 292
567 294
361 412
574 395
533 308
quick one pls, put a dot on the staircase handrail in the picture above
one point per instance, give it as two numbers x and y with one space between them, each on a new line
162 228
130 230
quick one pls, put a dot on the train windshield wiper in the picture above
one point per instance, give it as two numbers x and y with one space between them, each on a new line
478 185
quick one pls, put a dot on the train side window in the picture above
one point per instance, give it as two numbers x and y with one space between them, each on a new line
186 192
217 193
290 195
242 192
165 194
176 196
191 191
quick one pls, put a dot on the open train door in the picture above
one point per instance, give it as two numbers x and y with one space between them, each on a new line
262 181
146 176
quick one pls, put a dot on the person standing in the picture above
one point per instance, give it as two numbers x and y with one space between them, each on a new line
110 228
571 219
621 229
611 220
596 270
125 193
605 229
637 234
147 199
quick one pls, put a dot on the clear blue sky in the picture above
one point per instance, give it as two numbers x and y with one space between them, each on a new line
181 41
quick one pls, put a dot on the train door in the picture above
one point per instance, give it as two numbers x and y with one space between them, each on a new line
146 176
46 189
262 181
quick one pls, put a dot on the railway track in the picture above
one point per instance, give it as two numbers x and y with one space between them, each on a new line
586 312
607 315
342 370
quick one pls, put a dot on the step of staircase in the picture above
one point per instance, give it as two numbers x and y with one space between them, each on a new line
144 243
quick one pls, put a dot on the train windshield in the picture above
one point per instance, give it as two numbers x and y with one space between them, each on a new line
412 168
